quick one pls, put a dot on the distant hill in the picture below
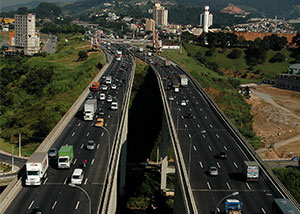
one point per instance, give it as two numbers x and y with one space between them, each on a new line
9 5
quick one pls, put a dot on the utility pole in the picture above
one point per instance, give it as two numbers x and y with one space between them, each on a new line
20 153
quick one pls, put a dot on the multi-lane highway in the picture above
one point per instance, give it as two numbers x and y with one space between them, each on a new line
54 195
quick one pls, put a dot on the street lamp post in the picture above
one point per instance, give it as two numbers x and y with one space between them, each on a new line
227 196
90 204
201 132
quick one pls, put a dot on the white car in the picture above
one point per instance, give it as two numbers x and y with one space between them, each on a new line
109 99
104 87
213 171
113 86
77 176
183 103
114 106
102 96
171 98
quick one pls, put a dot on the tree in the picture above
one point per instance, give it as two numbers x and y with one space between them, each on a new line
235 54
278 57
82 55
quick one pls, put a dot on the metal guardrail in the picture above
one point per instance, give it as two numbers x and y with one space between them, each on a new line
15 185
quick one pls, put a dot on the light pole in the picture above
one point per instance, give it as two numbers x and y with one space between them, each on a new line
227 196
90 204
201 132
108 138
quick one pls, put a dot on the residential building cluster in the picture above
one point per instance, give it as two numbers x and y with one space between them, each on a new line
265 26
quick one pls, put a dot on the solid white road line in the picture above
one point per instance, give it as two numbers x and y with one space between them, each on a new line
236 166
30 204
208 185
248 186
45 180
75 161
53 206
201 165
228 185
195 148
77 205
92 162
73 134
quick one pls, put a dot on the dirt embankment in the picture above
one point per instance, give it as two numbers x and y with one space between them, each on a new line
276 121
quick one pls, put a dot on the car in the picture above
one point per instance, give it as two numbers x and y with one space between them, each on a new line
91 145
114 106
52 153
102 96
183 103
90 96
295 159
113 86
36 210
103 77
99 122
169 77
171 98
104 87
122 70
213 171
188 115
77 176
101 111
222 155
109 99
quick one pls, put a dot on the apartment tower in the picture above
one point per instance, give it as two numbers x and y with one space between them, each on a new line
206 19
160 15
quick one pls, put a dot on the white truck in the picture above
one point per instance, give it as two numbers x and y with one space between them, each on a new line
90 107
36 168
183 80
250 170
108 80
141 49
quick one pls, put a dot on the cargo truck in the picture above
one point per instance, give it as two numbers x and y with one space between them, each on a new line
36 168
250 170
65 156
183 80
167 63
95 86
90 107
233 206
175 85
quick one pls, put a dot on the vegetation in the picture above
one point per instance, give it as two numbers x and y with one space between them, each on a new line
5 167
290 177
36 92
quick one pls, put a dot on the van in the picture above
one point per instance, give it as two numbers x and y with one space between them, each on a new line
77 176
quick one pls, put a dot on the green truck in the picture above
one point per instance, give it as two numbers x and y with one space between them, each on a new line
65 156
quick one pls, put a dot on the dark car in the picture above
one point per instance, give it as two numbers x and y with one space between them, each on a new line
52 153
169 77
188 115
36 210
222 155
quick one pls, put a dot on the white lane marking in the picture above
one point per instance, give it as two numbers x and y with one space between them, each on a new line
208 185
105 124
85 181
201 165
218 209
75 161
185 125
45 175
98 146
200 109
248 186
81 146
194 117
210 126
102 134
73 134
262 209
179 109
198 125
217 136
225 148
88 134
108 116
77 205
203 136
228 185
209 148
45 180
190 109
92 124
236 166
194 97
205 117
218 165
79 124
197 103
53 206
92 162
66 180
30 204
190 136
195 148
182 117
177 102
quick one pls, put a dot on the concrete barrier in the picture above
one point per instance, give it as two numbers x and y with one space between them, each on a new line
15 185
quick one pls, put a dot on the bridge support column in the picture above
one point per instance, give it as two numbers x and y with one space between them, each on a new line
178 198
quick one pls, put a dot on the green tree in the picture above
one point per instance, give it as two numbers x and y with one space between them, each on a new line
278 57
235 54
82 55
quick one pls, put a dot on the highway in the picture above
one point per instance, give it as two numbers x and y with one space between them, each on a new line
54 195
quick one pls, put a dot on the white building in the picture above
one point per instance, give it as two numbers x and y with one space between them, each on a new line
25 34
206 19
160 15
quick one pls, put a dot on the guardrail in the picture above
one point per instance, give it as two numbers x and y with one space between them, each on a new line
271 179
112 169
15 185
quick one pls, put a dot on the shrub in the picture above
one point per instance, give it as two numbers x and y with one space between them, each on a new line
278 57
235 54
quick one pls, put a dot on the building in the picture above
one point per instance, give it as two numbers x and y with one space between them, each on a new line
150 25
289 80
206 19
25 34
160 15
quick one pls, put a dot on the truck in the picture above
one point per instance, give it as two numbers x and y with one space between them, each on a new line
118 55
250 170
65 156
233 206
149 53
183 80
175 85
95 86
36 168
167 63
141 49
108 79
90 107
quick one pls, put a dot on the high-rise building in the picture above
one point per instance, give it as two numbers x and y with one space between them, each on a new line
160 15
206 19
25 35
150 25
